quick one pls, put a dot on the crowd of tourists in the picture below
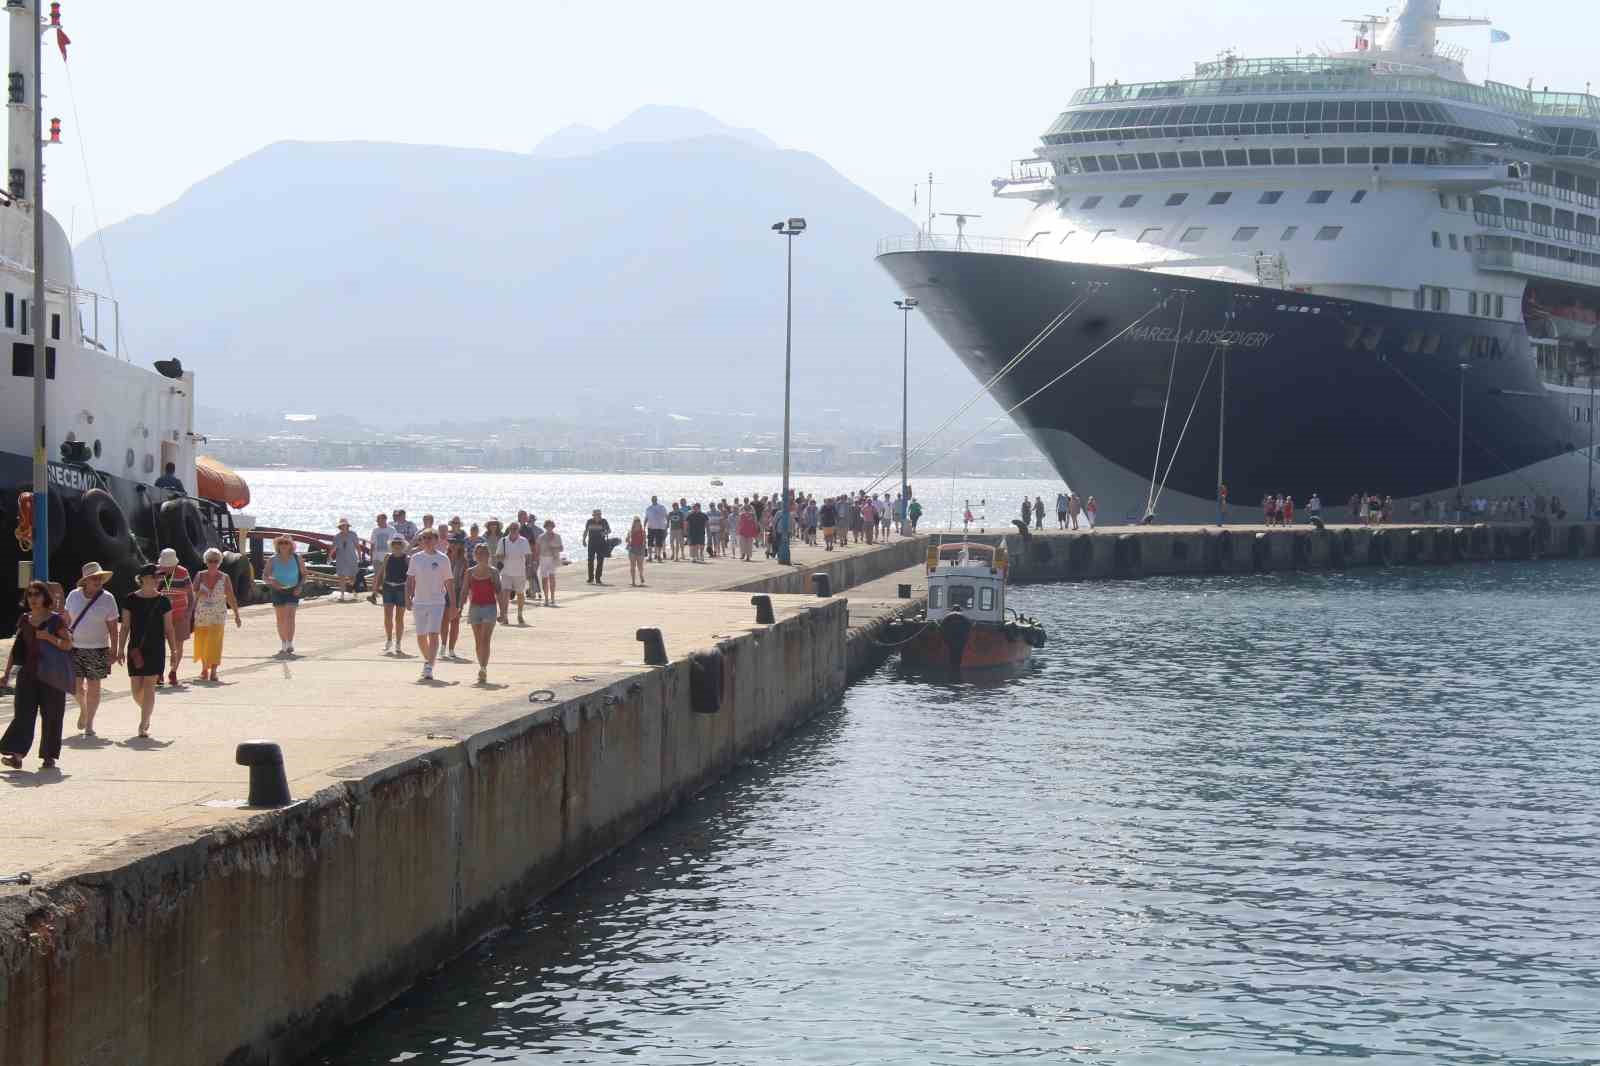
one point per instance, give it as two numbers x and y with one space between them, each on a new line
445 576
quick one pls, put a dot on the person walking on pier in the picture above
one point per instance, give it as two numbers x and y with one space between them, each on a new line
1027 512
213 598
344 551
1038 512
92 612
455 549
550 547
42 656
392 581
177 587
482 584
1286 511
695 523
595 533
748 531
428 593
675 532
638 545
655 527
1074 507
378 548
1091 511
1061 510
915 512
146 636
403 526
515 550
286 580
828 516
1314 507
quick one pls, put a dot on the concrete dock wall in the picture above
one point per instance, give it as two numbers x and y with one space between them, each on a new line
845 571
1150 551
253 944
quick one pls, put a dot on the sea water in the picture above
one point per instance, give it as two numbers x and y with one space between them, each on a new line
1227 820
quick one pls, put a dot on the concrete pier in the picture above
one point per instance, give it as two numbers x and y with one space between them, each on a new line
167 924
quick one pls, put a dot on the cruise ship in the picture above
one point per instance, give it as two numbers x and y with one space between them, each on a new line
1357 272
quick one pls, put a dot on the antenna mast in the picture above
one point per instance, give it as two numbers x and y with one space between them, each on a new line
1091 44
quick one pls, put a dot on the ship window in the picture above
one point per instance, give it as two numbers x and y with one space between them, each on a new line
1444 201
1357 196
1108 163
1220 198
1380 155
22 361
1103 233
1169 160
1455 245
128 459
986 598
1190 159
1260 157
1360 155
1091 165
1320 196
1130 201
1147 161
1309 157
1091 202
1270 197
1246 233
1177 198
1472 303
1436 238
24 317
1213 159
935 592
961 597
1193 233
11 311
1128 162
1413 342
1283 157
1289 232
1151 235
55 326
1237 157
1329 233
1461 203
1334 156
1499 306
1430 344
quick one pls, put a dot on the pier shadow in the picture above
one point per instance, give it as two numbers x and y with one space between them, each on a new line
34 778
434 682
84 743
139 743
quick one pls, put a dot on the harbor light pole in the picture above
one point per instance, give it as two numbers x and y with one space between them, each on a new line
1222 426
790 229
1461 433
906 306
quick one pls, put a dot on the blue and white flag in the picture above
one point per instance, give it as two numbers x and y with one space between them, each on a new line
1498 36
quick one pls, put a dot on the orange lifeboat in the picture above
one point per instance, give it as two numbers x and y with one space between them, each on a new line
215 481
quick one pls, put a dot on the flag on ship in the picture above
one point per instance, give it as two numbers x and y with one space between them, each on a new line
1498 36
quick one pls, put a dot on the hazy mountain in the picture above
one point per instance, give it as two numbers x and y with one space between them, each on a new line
395 281
647 125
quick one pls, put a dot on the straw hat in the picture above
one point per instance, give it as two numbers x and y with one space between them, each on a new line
93 570
167 559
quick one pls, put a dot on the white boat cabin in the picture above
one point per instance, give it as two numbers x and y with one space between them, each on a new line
967 578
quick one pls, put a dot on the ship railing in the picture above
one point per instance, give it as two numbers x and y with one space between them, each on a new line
97 314
1035 169
1547 230
925 242
1514 262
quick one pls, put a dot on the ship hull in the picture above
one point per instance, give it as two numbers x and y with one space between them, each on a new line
1327 396
958 647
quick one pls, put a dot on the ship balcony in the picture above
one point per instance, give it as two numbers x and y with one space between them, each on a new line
1523 264
1030 179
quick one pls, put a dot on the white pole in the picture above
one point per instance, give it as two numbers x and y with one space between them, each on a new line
41 316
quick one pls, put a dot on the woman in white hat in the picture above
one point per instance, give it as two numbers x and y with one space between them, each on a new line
177 587
345 554
93 615
213 598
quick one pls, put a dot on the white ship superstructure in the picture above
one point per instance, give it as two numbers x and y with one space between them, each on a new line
1261 191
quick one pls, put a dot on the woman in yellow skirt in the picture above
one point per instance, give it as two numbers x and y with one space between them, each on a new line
213 598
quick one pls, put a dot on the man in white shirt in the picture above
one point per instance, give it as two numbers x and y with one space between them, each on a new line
92 613
655 528
429 590
379 542
514 552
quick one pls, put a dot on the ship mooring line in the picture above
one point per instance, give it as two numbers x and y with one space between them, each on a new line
1015 361
1158 305
1199 389
1506 467
1161 434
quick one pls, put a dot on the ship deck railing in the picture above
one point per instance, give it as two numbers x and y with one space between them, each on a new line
925 242
95 311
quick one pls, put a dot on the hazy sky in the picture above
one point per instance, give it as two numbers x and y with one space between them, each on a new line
170 93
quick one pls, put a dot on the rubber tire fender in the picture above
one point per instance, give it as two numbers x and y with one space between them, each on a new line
100 529
184 531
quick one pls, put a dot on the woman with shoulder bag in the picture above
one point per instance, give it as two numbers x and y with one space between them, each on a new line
147 633
42 656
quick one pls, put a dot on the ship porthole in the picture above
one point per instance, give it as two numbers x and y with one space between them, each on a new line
97 448
128 459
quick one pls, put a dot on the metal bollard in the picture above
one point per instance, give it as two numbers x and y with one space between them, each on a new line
763 606
823 584
655 649
269 785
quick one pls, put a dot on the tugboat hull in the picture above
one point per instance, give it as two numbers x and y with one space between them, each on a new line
955 645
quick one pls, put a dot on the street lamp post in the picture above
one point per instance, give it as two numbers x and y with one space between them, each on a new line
906 306
1222 426
790 229
1461 433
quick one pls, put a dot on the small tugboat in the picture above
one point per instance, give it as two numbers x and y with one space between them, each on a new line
965 629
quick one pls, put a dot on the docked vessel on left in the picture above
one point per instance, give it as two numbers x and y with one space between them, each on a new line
111 427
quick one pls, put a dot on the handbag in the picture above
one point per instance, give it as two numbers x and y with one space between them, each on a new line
52 666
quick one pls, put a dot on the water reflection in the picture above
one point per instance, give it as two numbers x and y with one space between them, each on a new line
1217 821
